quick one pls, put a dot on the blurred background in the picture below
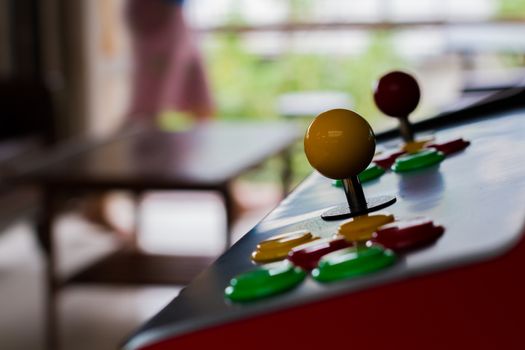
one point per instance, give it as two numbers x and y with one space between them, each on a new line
258 60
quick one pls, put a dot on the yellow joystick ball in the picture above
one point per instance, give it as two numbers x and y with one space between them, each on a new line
339 143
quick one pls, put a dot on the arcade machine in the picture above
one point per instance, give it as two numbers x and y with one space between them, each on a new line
426 250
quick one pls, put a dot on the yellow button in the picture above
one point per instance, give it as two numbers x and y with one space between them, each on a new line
277 247
361 228
416 146
339 143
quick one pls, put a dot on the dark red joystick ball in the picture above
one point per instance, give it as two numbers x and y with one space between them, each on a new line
397 94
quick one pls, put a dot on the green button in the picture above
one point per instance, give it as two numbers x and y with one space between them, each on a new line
337 183
264 281
353 262
419 160
373 171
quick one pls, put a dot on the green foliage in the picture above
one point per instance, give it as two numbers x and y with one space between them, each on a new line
247 85
511 8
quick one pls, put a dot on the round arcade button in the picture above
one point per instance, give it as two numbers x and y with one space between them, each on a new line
422 159
307 255
385 160
264 281
415 146
372 172
408 234
277 247
352 262
451 146
337 183
361 228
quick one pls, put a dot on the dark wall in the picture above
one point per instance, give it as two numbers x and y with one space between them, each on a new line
24 39
26 103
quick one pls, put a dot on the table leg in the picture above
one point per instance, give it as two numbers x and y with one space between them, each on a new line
287 171
44 231
137 202
229 207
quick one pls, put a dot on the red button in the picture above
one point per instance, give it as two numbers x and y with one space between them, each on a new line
308 255
386 160
450 146
408 234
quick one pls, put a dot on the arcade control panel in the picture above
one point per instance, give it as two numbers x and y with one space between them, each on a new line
369 219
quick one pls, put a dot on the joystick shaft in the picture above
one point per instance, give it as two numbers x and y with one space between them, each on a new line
354 194
406 130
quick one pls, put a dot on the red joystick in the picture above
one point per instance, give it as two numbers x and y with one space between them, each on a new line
397 95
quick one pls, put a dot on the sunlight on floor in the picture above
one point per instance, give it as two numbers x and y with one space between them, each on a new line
199 229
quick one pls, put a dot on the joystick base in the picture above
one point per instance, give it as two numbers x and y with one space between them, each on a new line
372 204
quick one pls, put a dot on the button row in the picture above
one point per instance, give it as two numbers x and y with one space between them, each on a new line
362 245
412 156
415 155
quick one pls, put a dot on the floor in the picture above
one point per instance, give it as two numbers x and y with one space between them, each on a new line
100 317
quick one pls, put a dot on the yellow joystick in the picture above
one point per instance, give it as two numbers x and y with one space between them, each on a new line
340 144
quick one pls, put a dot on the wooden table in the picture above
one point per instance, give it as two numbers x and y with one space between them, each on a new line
207 158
